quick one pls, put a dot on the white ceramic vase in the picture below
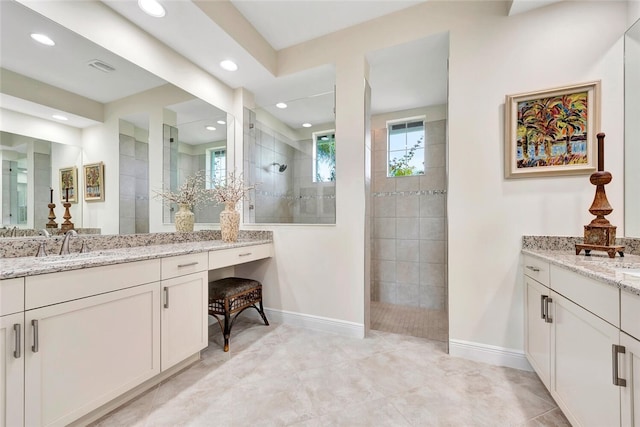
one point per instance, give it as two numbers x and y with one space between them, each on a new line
184 219
229 222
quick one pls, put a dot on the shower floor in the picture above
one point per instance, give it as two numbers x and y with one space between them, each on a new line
414 321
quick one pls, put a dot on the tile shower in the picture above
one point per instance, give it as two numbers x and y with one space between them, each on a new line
408 257
283 195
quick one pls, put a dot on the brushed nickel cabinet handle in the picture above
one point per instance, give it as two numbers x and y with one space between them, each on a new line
18 330
35 346
547 317
615 350
245 254
543 300
166 297
532 268
189 264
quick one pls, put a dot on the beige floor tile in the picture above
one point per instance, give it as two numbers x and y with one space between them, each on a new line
281 375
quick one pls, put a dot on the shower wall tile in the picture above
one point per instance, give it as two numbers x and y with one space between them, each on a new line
407 206
407 228
384 271
408 294
432 275
384 207
408 272
127 146
407 183
384 249
432 297
432 206
384 228
382 184
435 156
408 250
433 179
432 228
433 251
388 292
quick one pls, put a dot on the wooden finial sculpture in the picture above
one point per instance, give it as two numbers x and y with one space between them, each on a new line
52 215
599 234
67 224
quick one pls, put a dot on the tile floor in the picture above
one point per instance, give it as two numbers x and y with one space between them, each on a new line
282 375
414 321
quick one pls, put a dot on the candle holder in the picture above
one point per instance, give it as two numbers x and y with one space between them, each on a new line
52 216
599 234
66 225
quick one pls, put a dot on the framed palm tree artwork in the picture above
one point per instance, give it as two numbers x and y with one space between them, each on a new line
552 132
94 182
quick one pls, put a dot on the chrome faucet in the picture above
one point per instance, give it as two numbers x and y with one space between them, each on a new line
44 233
64 250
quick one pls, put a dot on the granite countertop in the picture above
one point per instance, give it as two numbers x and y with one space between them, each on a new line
597 266
30 266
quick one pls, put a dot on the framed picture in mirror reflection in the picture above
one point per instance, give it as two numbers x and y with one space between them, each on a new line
68 185
94 182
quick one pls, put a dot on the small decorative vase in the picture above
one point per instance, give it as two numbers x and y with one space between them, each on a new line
229 222
184 219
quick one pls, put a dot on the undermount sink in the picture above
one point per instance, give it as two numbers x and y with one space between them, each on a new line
54 259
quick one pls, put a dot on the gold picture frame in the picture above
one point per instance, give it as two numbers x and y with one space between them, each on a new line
69 180
552 132
94 182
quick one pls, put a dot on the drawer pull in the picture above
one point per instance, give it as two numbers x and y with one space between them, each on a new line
532 268
35 346
543 300
547 318
245 254
189 264
166 297
18 329
615 350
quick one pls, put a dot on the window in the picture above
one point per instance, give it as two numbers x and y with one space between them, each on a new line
216 165
324 156
406 151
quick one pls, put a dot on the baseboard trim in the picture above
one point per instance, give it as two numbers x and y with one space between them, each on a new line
490 354
318 323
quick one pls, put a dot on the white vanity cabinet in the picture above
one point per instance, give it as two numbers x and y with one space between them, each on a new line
83 351
537 323
630 340
184 307
11 352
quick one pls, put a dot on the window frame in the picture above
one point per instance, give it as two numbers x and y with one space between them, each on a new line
405 120
210 181
314 138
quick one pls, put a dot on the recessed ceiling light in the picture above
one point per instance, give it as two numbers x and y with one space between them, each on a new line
152 8
59 117
229 65
222 122
306 125
281 105
210 127
41 38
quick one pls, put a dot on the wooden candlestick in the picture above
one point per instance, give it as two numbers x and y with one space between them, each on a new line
52 216
599 234
66 225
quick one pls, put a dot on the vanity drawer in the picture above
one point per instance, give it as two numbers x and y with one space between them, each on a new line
11 296
181 265
228 257
54 288
601 299
536 268
630 314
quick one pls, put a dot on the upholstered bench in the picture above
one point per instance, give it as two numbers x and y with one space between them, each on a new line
233 295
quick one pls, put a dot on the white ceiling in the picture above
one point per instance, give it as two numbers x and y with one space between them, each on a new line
402 77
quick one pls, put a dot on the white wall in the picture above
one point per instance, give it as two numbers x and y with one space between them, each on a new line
491 55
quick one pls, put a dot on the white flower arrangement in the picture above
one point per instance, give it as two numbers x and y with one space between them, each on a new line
192 192
230 190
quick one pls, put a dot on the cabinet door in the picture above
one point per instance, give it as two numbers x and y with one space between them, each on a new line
83 353
631 372
11 370
537 329
581 380
184 317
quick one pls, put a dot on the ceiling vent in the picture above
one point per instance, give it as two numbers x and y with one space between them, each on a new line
100 65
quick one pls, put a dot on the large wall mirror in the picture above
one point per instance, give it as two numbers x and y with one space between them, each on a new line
632 131
290 151
115 112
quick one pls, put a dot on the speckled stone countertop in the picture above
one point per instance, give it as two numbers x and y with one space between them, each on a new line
597 266
31 265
